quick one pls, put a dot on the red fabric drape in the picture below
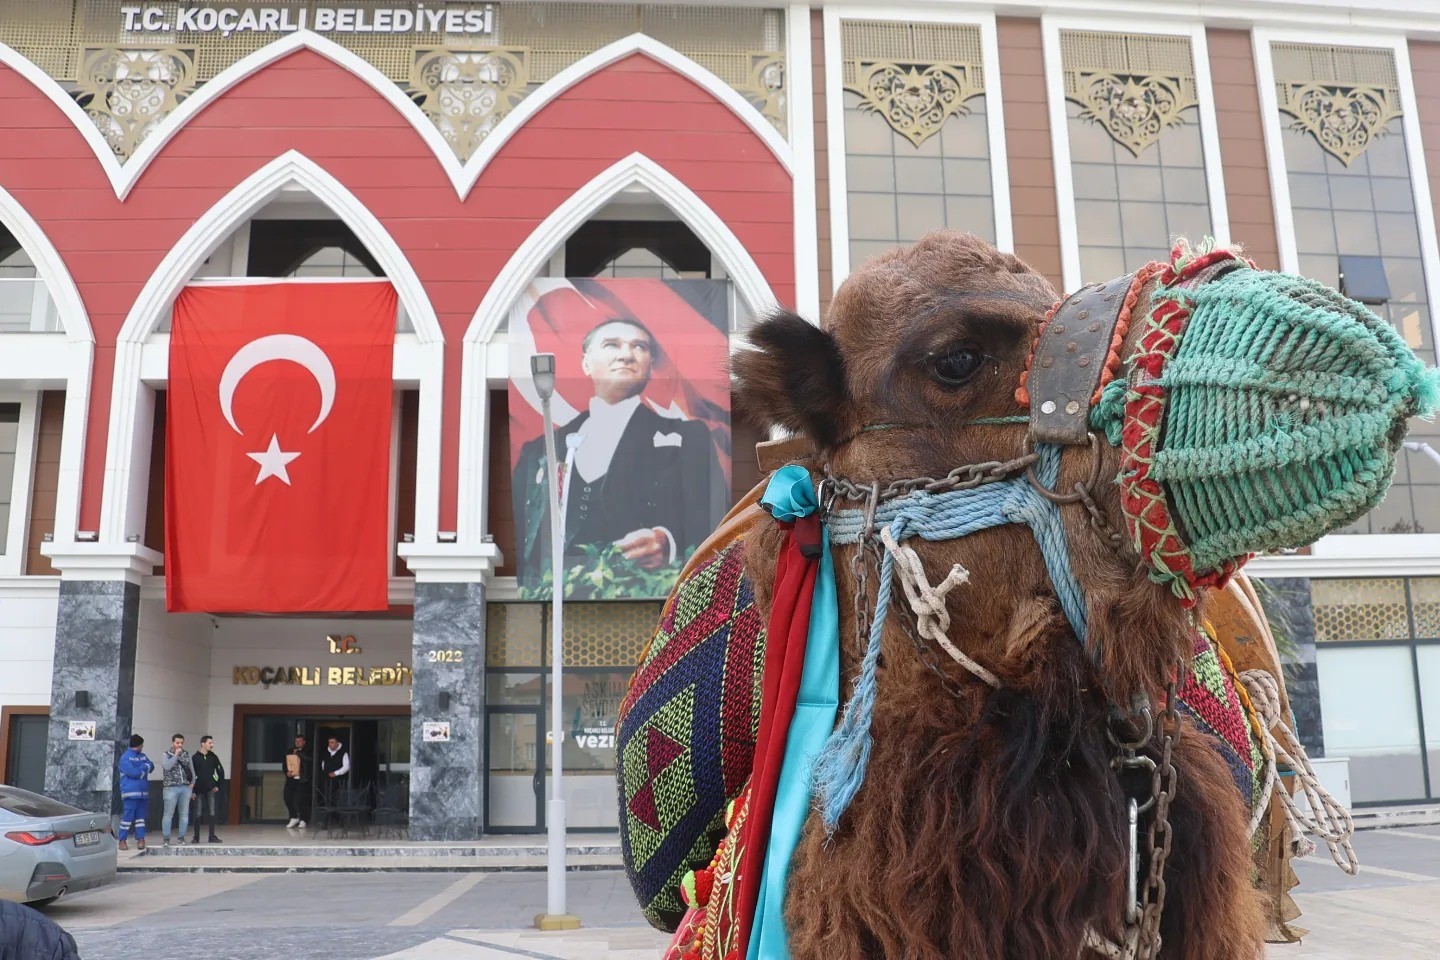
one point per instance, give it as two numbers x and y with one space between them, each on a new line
278 448
785 637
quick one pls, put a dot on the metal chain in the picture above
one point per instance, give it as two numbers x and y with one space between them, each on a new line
926 652
1162 787
859 569
1098 522
967 477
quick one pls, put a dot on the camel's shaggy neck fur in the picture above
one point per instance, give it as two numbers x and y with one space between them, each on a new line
990 823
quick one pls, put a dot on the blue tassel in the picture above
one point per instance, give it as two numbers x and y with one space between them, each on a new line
840 768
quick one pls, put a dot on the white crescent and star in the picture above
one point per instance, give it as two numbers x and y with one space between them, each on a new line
279 346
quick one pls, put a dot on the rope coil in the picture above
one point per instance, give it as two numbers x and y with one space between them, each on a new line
1327 819
932 619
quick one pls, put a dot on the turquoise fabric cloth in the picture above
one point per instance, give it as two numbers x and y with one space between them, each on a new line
789 496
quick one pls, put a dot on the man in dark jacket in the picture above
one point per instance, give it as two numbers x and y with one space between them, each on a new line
297 784
209 778
26 934
334 771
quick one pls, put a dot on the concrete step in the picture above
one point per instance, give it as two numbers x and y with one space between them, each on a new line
377 863
1385 818
364 848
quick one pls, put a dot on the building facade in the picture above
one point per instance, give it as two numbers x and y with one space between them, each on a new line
463 150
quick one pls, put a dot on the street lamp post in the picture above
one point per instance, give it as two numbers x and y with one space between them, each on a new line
542 372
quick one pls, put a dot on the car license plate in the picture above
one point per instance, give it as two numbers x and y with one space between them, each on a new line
87 839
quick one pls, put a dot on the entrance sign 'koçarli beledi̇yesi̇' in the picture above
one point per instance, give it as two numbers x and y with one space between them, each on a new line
477 20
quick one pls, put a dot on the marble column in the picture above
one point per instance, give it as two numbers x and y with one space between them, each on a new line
95 639
447 778
1288 605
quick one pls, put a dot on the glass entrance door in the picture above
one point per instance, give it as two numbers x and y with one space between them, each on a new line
513 799
379 748
26 752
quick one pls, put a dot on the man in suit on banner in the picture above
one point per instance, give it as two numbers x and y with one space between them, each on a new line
649 485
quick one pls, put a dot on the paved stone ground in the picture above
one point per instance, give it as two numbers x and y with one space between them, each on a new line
1391 910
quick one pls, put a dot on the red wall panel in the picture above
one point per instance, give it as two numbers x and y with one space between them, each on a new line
307 103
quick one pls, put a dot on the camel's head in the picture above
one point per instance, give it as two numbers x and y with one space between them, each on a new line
923 338
915 372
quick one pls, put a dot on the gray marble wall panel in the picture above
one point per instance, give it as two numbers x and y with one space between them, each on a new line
447 779
1289 607
95 636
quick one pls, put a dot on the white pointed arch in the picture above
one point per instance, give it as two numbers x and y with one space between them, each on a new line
50 266
74 364
634 170
239 205
124 480
462 176
58 95
593 63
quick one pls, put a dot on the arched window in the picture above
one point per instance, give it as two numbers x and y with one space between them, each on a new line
25 304
308 248
312 248
666 249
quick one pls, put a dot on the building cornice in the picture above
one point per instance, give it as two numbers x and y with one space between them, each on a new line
130 562
451 562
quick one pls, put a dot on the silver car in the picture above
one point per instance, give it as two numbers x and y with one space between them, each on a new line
49 849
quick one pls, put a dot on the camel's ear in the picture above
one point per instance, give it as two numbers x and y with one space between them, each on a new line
795 378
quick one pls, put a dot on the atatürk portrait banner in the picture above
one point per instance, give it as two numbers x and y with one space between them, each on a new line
642 429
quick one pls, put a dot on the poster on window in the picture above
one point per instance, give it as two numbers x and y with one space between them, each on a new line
641 411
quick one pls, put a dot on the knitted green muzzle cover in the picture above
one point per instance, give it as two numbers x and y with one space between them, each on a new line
1260 411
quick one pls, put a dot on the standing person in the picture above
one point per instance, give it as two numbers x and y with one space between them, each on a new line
209 776
179 782
297 784
135 770
333 765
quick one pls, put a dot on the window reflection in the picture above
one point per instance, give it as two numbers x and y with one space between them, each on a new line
1128 208
898 192
1368 208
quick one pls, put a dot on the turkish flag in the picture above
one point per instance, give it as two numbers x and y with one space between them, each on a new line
277 459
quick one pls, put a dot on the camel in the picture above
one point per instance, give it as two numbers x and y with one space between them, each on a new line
990 819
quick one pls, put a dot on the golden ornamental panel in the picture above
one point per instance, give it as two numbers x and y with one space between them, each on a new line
1425 607
1343 120
1135 109
465 93
765 87
914 98
1360 610
608 634
1135 86
1344 97
514 634
904 42
914 75
612 634
127 92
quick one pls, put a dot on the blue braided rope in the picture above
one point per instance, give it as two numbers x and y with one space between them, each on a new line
959 513
840 769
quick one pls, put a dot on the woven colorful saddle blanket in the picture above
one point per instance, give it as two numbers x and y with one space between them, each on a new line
687 730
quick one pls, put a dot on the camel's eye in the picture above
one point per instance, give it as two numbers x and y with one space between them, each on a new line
958 365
